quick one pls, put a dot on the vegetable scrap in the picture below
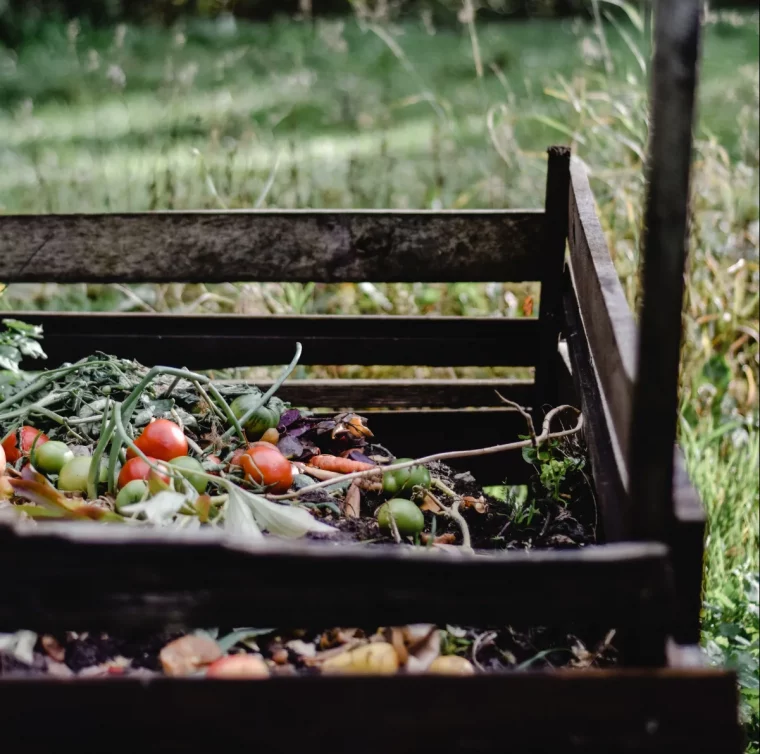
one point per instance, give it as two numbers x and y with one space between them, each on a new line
262 653
113 441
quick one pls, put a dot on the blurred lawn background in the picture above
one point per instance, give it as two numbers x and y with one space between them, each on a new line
411 105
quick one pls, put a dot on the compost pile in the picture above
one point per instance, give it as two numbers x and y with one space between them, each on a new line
110 440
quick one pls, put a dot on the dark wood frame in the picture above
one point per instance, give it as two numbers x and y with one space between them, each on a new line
645 579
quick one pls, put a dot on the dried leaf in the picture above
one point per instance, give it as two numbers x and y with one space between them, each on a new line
49 502
302 648
429 503
352 502
444 539
53 648
398 643
424 647
477 503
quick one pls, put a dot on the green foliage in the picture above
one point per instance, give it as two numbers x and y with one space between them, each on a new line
17 339
557 469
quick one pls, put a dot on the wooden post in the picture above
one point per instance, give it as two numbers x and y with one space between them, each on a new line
655 404
553 263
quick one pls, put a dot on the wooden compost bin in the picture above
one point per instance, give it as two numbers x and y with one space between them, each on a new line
645 579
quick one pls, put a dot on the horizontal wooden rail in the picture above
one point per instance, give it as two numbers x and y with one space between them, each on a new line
222 341
115 576
361 394
294 245
606 316
549 712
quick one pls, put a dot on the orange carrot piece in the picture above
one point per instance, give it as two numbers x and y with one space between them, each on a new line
341 465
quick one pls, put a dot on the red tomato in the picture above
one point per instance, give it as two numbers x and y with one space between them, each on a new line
136 468
267 466
161 439
27 435
235 459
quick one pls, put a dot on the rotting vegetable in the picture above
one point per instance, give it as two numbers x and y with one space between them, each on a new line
19 442
402 483
172 448
404 513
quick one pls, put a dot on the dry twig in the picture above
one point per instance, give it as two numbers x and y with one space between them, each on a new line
543 437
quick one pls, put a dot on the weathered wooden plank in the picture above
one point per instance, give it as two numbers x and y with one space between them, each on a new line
687 548
115 576
611 497
572 712
226 340
607 319
664 248
289 245
550 314
360 394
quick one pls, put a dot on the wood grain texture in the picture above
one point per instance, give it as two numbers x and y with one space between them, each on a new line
550 314
111 577
687 547
664 248
359 394
607 319
228 340
295 246
611 496
566 712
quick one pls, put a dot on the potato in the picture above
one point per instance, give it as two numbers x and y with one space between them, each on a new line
376 658
451 665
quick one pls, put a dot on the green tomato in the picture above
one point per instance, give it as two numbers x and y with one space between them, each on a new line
403 481
132 492
186 466
51 456
408 517
73 475
263 418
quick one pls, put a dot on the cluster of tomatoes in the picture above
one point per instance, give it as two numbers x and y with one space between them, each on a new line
166 447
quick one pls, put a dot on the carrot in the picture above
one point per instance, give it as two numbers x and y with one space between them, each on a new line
341 465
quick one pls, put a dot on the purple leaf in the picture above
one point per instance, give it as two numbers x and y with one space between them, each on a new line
290 416
297 432
357 455
290 447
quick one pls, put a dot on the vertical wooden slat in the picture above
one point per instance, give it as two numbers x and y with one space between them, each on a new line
655 403
552 265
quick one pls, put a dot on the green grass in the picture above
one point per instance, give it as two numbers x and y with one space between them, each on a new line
343 115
